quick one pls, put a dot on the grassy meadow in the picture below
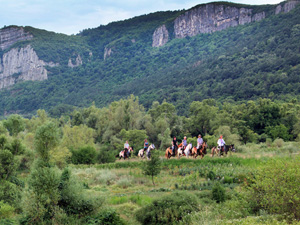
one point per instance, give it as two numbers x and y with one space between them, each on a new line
124 188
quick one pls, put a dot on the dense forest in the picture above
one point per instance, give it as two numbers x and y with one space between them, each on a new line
248 62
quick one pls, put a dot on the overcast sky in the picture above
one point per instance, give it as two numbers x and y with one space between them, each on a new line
72 16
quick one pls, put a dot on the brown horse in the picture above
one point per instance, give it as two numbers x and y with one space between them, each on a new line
169 152
201 151
214 151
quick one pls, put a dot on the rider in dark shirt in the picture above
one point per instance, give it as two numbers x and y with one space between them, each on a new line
174 147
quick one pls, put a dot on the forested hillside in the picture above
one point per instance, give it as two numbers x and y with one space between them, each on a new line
246 62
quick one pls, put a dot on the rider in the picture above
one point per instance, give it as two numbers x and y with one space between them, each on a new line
174 145
184 142
221 144
126 148
199 142
146 145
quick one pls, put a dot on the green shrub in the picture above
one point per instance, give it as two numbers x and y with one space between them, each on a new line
278 142
73 199
124 182
228 180
9 192
105 156
84 155
6 210
218 192
211 175
107 216
168 209
274 187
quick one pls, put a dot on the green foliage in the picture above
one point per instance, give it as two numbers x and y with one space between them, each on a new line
105 156
106 216
84 155
152 167
10 193
7 164
218 192
46 138
274 188
14 124
16 147
134 137
6 210
73 199
168 209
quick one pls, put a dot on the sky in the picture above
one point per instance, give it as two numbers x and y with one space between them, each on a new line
72 16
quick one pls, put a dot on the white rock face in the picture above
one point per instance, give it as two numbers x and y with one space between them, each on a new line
160 36
288 6
11 35
21 65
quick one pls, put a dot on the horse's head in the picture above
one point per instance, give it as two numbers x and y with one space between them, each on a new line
152 146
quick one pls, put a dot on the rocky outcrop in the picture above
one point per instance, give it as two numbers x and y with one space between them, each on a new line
78 62
21 65
11 35
288 6
213 17
160 36
107 52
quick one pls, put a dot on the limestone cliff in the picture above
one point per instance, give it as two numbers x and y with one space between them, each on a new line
21 65
286 7
107 52
160 36
12 35
213 17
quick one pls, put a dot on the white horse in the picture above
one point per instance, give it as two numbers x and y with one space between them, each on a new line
188 149
180 152
148 154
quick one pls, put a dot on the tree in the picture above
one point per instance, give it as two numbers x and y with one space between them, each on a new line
46 138
14 124
153 166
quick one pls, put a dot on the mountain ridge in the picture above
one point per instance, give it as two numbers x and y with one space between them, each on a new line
81 71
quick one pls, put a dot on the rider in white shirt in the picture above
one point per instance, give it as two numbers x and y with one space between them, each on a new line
221 143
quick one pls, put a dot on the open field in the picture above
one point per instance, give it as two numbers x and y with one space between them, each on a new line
126 189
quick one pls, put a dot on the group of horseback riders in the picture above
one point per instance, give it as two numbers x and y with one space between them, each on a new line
183 149
186 149
184 144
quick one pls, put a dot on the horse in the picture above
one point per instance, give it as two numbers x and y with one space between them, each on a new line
169 152
148 152
214 150
141 153
187 151
125 154
201 151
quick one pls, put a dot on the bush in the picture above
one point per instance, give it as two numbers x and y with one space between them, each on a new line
107 216
105 156
6 210
9 193
72 197
168 209
274 187
84 155
278 142
218 192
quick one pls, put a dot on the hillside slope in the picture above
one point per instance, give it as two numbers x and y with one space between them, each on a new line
244 52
